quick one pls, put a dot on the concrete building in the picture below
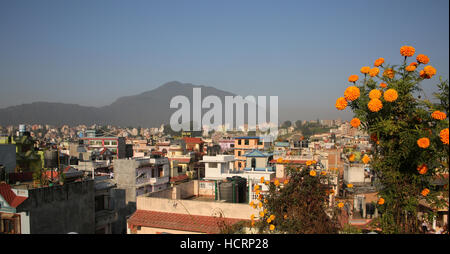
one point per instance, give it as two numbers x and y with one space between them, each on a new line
141 175
243 145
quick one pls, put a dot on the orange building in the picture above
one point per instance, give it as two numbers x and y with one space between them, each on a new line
243 145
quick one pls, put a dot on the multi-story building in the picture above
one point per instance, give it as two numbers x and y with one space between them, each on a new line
243 145
116 145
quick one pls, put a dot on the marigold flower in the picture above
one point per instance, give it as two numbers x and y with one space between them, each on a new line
267 182
260 204
269 220
340 204
381 201
257 192
253 223
256 187
444 136
352 157
429 70
422 59
308 163
389 73
262 180
251 203
422 169
285 216
355 122
413 64
374 71
423 142
351 93
438 115
375 94
375 105
324 173
365 70
272 217
312 173
280 160
425 192
379 62
407 51
261 214
286 182
277 183
410 68
383 85
353 78
252 216
266 201
272 227
365 159
350 185
341 103
390 95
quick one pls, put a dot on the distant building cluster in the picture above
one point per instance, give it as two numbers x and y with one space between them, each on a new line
112 180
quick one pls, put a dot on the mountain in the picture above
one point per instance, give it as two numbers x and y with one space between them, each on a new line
148 109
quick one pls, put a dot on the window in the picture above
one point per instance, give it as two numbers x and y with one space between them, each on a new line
107 142
180 169
239 141
239 153
113 143
253 163
260 142
213 164
247 142
231 145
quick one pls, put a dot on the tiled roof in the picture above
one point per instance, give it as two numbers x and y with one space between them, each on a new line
9 196
178 178
182 222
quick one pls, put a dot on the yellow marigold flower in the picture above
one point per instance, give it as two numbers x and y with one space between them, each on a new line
260 204
379 62
340 204
422 59
286 182
389 73
262 180
381 201
353 78
438 115
256 187
277 183
252 216
257 192
269 220
375 105
265 211
312 173
365 70
261 214
272 227
375 94
341 103
272 217
308 163
407 51
351 93
280 160
365 159
383 85
252 204
423 142
355 122
425 192
422 169
429 70
444 136
285 216
410 68
374 71
352 157
267 182
390 95
350 185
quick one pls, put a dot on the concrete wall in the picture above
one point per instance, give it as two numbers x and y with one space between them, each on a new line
61 209
8 157
354 173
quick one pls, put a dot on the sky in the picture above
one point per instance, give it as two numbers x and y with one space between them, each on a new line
91 52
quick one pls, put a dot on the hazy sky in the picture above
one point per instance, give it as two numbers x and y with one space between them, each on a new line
91 52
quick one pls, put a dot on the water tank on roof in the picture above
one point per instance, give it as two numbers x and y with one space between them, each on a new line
51 159
226 191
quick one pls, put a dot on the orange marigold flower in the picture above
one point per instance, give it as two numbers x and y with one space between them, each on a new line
425 192
374 71
429 70
365 69
340 204
379 62
413 64
383 85
350 185
381 201
389 73
422 59
423 142
285 216
422 169
312 173
438 115
366 159
262 180
277 183
252 216
267 182
280 160
352 157
308 163
355 122
269 220
375 94
351 93
286 182
375 105
256 187
407 51
444 136
410 68
272 217
390 95
341 103
260 204
261 214
272 227
353 78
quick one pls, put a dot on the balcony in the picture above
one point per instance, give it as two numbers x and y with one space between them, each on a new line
265 169
159 180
